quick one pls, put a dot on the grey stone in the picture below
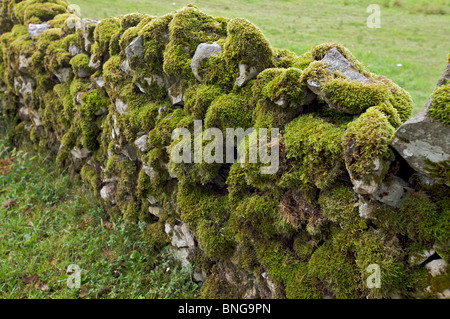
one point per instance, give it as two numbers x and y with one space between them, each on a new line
422 138
121 106
92 64
246 73
24 114
182 236
182 254
436 267
100 81
142 143
23 64
156 210
108 192
80 154
337 62
130 152
23 85
135 48
150 171
367 185
152 200
36 29
176 94
35 117
203 52
199 276
63 74
74 50
419 258
392 191
125 67
159 80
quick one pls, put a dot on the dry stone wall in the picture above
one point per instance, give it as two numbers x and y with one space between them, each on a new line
359 184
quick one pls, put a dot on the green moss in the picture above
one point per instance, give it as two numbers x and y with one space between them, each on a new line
354 97
103 34
132 19
215 71
35 11
228 111
340 205
440 107
336 268
188 28
302 62
214 240
90 177
80 65
366 139
423 220
284 58
246 44
400 99
155 235
198 99
315 148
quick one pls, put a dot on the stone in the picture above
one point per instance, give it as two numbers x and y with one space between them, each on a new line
24 63
419 258
159 80
135 48
152 200
156 210
125 67
74 50
246 73
150 171
100 81
367 185
142 143
436 267
80 154
182 236
420 138
337 62
23 85
130 152
36 29
203 52
182 254
36 118
63 74
121 107
92 64
392 191
199 275
176 94
108 192
444 294
24 115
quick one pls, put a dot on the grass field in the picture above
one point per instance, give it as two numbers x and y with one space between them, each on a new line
49 221
414 33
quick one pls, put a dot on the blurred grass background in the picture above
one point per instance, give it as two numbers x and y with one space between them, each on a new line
411 47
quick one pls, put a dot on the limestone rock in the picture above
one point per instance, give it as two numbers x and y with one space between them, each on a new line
108 191
74 50
337 62
422 138
80 154
421 257
182 236
142 143
24 114
63 74
135 48
436 267
36 29
246 73
203 52
392 191
156 210
121 107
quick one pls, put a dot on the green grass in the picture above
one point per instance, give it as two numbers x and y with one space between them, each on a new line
48 221
413 33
